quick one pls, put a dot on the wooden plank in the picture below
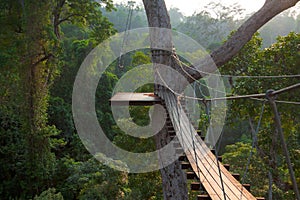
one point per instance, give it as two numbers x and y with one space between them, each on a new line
233 188
134 99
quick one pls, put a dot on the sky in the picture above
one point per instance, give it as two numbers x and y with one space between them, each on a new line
188 7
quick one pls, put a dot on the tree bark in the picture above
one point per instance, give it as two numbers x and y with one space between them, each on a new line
56 17
39 158
173 179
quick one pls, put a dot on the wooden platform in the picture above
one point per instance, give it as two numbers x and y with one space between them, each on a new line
134 99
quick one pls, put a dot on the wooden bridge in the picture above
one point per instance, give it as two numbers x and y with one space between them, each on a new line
215 178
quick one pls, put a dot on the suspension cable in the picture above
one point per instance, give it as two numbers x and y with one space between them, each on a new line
190 76
216 154
259 95
195 152
239 76
254 142
277 101
127 28
245 96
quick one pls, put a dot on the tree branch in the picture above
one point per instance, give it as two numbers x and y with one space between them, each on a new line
236 42
69 16
244 34
44 58
56 17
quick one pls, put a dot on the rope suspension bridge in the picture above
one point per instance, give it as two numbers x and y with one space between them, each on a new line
217 181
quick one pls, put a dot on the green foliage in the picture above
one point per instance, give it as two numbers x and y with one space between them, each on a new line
119 17
237 155
145 186
59 111
282 58
11 155
176 17
140 58
49 194
91 180
31 56
282 25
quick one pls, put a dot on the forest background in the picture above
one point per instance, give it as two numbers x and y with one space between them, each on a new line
42 45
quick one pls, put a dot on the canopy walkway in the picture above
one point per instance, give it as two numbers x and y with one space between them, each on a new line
215 178
217 181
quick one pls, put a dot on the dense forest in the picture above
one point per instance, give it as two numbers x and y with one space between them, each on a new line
43 44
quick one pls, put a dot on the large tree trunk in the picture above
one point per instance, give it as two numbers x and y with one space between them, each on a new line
34 77
173 179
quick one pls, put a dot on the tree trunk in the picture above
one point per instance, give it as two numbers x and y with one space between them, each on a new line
39 159
173 179
56 17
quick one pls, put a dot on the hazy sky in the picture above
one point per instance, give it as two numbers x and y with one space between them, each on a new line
188 7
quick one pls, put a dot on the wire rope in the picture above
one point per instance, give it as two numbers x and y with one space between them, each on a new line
128 27
254 141
240 76
278 101
216 154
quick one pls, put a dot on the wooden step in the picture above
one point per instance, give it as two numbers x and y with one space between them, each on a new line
199 132
203 197
170 127
236 176
186 165
169 123
195 186
171 132
191 175
247 186
220 158
227 166
182 158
